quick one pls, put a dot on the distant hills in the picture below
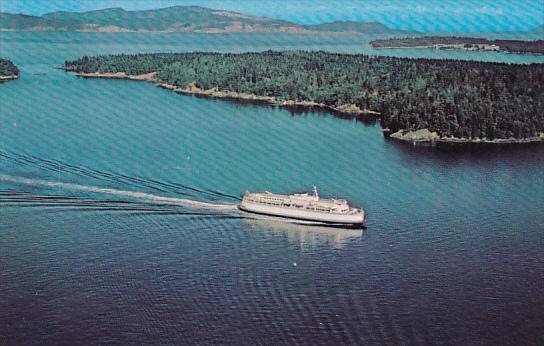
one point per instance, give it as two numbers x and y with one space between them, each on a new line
177 19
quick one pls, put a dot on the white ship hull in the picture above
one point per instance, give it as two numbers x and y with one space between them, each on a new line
354 217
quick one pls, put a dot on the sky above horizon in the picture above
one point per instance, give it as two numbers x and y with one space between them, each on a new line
429 15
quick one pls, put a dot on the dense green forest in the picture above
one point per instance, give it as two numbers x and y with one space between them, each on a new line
466 99
511 46
7 68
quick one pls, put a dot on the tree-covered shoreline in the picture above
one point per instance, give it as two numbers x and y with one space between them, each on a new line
8 70
462 99
465 43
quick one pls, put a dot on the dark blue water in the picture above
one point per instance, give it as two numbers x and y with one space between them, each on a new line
118 220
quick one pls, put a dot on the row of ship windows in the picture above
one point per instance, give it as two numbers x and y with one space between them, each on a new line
287 205
266 202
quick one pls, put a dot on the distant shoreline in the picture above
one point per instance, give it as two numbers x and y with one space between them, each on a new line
192 89
467 44
423 136
116 30
458 49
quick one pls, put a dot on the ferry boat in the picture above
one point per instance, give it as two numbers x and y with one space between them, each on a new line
305 207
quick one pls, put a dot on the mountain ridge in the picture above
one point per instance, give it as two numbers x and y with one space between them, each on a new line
178 19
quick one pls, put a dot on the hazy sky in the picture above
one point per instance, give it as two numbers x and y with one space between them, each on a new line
430 15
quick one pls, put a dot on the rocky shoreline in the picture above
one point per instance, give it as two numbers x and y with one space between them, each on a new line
8 78
193 89
422 136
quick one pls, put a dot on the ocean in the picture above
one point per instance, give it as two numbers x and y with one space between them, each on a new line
118 219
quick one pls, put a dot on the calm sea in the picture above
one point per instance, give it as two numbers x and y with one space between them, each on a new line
118 221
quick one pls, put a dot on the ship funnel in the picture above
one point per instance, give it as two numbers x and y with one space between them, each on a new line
314 192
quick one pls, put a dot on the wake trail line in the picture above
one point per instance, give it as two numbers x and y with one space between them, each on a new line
115 177
123 193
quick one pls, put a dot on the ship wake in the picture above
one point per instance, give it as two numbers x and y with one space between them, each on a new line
131 195
59 167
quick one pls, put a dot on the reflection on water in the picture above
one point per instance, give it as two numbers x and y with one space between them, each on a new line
296 110
305 233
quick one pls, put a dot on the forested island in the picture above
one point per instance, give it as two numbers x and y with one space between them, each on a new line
462 43
8 70
417 99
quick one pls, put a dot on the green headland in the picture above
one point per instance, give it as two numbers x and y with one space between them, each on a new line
453 101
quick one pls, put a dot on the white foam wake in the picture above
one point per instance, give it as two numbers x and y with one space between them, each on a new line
121 193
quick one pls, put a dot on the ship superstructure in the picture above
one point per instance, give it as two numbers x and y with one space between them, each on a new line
302 206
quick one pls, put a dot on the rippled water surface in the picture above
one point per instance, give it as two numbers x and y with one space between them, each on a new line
119 221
